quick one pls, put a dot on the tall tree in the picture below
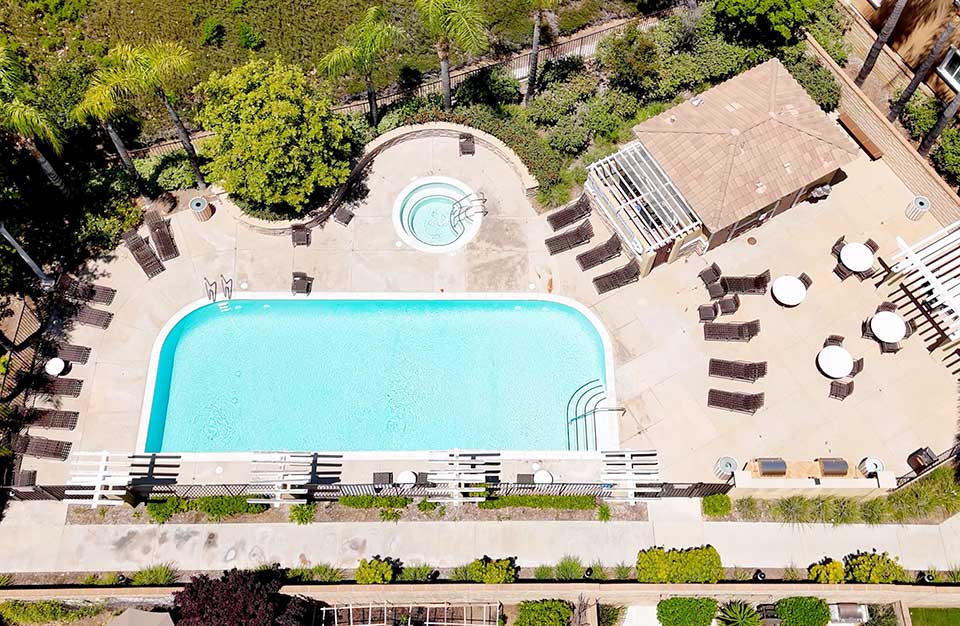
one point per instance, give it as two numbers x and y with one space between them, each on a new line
24 120
924 69
452 23
365 45
882 38
942 122
101 102
539 7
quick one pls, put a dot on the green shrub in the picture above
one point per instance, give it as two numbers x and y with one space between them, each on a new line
686 611
717 505
936 495
396 113
218 508
492 86
836 511
792 574
596 571
303 513
559 71
419 573
802 611
425 506
550 106
107 579
489 571
817 81
6 580
622 571
45 612
603 512
569 136
160 511
569 568
875 511
573 18
531 501
237 7
375 571
321 572
166 172
375 502
694 565
793 510
543 572
884 615
873 568
920 114
249 38
738 613
605 114
826 572
544 613
828 28
156 575
609 614
390 515
629 59
599 151
946 158
211 32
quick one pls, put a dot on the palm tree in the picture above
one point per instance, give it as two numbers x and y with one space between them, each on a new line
539 6
21 118
365 44
880 42
148 70
924 69
452 23
942 122
738 613
100 103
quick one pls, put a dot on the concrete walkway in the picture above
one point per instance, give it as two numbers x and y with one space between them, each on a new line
38 541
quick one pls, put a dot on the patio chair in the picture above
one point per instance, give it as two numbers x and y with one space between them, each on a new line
343 215
467 145
842 271
887 347
708 312
833 340
873 245
629 273
302 284
73 353
841 389
806 280
606 251
382 479
89 316
716 290
735 401
729 304
867 273
423 479
570 239
889 307
51 386
300 236
857 367
911 328
737 370
711 274
40 448
525 479
87 292
838 246
865 331
570 214
142 253
162 236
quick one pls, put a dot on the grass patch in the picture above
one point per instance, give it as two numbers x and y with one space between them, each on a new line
376 502
321 572
156 575
216 508
935 617
46 611
303 513
570 503
106 579
390 515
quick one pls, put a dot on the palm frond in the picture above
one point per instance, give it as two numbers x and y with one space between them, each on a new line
109 88
13 70
466 26
164 60
26 120
365 44
339 61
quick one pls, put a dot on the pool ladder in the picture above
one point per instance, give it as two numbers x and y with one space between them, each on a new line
476 205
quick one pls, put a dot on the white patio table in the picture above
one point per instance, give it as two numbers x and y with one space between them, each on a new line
856 256
407 478
888 326
788 290
55 366
835 361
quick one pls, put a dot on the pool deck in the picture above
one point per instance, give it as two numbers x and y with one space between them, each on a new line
902 401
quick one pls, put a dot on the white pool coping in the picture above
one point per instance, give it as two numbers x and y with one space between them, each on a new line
607 426
470 229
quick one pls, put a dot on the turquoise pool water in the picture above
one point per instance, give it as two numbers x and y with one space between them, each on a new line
352 375
426 213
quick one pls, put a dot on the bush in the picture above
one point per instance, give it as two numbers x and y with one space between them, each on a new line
569 568
629 59
828 29
218 508
875 511
155 575
569 136
45 611
488 571
390 515
884 615
420 573
107 579
303 513
531 501
738 613
550 106
572 19
375 502
826 572
248 38
395 114
717 505
686 611
779 20
793 510
747 508
166 172
935 496
559 71
241 598
321 572
211 32
375 571
946 157
873 568
803 611
604 114
609 614
920 114
603 512
817 81
544 613
161 511
622 571
492 86
543 572
694 565
425 506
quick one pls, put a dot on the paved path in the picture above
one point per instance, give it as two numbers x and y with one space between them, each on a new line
35 539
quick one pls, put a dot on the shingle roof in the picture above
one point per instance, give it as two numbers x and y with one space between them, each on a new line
752 140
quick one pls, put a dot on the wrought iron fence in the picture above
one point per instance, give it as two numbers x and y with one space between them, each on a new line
949 455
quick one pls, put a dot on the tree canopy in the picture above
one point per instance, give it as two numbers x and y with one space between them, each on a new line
277 143
762 19
239 598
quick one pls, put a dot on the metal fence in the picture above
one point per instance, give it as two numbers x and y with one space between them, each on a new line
948 456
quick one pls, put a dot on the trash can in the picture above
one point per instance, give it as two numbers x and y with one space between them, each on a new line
917 207
201 209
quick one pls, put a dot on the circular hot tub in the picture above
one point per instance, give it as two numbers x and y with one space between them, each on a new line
437 214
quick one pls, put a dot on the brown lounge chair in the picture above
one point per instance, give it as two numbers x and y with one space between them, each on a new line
738 370
629 273
729 304
89 316
570 215
41 448
302 284
87 292
610 249
841 389
746 284
61 387
467 145
53 419
842 271
711 274
162 236
720 331
72 353
142 253
716 290
838 246
735 401
708 312
300 236
570 239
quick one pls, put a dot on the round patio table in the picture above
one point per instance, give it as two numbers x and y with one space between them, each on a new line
835 362
542 477
788 290
856 256
888 326
55 366
406 477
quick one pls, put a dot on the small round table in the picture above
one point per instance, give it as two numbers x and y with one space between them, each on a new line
542 477
55 366
788 290
835 362
407 478
856 257
888 326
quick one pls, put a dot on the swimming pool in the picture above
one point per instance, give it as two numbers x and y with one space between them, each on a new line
365 373
437 214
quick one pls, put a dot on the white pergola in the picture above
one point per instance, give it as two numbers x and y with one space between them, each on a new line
932 266
641 201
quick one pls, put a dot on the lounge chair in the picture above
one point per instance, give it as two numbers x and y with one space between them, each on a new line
842 271
51 419
40 448
61 387
570 239
857 367
89 316
467 145
382 479
865 331
711 274
716 290
742 331
343 215
833 340
302 284
837 247
746 284
806 280
73 353
737 370
25 478
629 273
735 401
525 479
300 236
142 253
729 304
162 236
708 312
873 245
841 389
610 249
888 307
570 214
87 292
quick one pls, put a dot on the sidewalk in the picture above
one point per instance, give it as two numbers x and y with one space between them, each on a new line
38 541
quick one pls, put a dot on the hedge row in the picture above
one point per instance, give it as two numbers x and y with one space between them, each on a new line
216 508
577 503
693 565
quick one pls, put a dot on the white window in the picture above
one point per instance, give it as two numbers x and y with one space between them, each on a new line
875 3
949 69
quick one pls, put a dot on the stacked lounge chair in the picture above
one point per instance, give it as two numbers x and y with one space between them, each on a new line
746 284
87 292
73 353
629 273
570 239
161 235
735 401
142 253
89 316
41 447
738 370
610 249
742 331
570 214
